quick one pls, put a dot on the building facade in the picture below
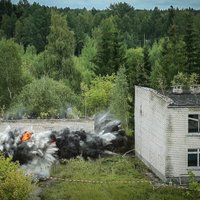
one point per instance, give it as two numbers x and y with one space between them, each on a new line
167 132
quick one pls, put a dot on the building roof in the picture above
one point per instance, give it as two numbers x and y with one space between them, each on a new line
184 99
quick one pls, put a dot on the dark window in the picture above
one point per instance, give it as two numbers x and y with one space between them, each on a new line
192 160
192 150
193 157
193 124
194 116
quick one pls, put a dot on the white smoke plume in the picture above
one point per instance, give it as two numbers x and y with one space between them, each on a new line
36 152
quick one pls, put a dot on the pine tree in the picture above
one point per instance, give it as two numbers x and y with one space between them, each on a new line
6 7
173 56
110 51
60 51
8 25
33 29
156 24
172 59
191 47
171 20
197 69
146 60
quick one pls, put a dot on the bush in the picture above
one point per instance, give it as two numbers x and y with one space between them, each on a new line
45 96
98 95
194 187
14 185
185 80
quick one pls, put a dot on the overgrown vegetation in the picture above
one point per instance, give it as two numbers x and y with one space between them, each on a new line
98 96
44 97
184 80
113 172
52 59
14 185
119 99
79 49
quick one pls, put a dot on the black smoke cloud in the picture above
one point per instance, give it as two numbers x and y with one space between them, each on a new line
37 154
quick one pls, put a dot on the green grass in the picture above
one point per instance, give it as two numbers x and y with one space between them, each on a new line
115 168
113 172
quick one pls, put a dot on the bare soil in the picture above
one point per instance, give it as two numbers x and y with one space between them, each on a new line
44 125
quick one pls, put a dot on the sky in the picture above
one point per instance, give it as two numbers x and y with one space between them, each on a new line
103 4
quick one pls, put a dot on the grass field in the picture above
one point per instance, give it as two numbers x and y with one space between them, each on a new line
114 173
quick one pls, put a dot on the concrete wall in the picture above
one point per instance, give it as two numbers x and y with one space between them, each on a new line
151 115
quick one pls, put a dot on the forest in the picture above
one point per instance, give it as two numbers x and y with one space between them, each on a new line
90 60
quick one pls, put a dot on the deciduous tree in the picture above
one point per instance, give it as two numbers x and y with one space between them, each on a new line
11 73
45 96
97 96
119 101
84 62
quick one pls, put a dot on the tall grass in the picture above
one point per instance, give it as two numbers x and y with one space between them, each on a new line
113 172
115 168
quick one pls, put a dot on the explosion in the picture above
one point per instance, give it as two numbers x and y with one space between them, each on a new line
26 136
36 152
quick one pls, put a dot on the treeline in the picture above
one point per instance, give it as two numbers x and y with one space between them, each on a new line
53 59
29 24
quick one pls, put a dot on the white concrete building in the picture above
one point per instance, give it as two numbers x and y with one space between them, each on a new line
167 132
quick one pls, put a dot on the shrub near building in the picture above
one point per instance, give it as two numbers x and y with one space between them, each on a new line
14 185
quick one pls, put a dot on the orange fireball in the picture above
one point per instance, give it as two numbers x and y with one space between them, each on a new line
26 136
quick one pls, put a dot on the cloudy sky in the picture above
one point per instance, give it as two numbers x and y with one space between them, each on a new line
102 4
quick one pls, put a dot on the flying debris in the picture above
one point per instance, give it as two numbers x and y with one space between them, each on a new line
36 152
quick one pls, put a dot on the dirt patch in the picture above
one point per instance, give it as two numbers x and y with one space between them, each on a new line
44 125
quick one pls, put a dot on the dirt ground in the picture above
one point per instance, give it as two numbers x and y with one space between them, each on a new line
44 125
